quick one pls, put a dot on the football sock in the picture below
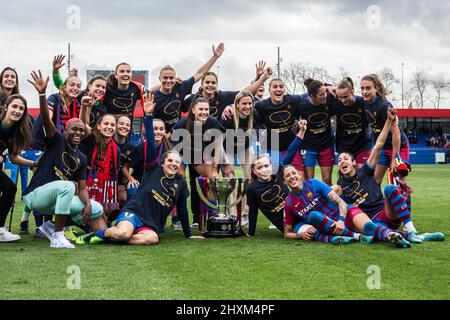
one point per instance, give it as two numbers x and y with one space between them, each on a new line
323 223
38 218
26 213
100 233
400 206
377 231
318 236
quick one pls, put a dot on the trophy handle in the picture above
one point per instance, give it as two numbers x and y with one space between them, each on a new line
202 196
238 200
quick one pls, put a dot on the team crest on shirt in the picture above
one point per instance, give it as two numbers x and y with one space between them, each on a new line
132 94
175 185
128 152
289 106
310 195
177 95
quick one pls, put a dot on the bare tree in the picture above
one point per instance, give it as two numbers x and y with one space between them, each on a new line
420 83
343 72
321 74
388 78
294 75
438 85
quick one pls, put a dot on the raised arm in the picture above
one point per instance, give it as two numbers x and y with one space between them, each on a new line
295 145
151 153
375 154
58 64
396 140
40 84
86 105
253 87
260 66
217 52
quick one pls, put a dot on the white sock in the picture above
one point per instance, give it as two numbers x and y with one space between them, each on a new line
25 216
357 236
59 234
410 227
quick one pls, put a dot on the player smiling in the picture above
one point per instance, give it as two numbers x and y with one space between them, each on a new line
142 218
359 187
171 94
351 124
318 143
52 189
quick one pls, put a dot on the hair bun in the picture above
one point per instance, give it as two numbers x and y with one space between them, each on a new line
308 81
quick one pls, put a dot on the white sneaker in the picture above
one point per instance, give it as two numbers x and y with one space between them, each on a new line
272 226
48 229
6 236
177 226
59 241
194 225
244 221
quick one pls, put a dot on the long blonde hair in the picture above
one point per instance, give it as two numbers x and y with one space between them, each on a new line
238 99
65 101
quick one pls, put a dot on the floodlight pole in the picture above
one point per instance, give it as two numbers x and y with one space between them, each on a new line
403 106
68 57
279 64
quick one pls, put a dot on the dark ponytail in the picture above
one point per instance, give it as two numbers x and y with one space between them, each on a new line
313 86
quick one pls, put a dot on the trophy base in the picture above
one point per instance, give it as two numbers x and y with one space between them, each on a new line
222 227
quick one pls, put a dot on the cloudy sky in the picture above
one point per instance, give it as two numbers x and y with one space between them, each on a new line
151 33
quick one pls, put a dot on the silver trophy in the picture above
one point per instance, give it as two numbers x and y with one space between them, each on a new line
222 223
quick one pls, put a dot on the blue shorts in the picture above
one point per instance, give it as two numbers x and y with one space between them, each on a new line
386 156
131 192
276 160
298 226
301 227
32 155
130 217
325 158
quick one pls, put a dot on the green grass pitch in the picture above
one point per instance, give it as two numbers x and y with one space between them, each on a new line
262 267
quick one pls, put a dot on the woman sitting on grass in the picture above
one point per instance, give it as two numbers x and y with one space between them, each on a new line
359 187
61 169
142 218
266 191
312 202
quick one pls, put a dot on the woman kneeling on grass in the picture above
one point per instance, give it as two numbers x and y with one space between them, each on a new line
313 202
359 187
52 188
142 218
